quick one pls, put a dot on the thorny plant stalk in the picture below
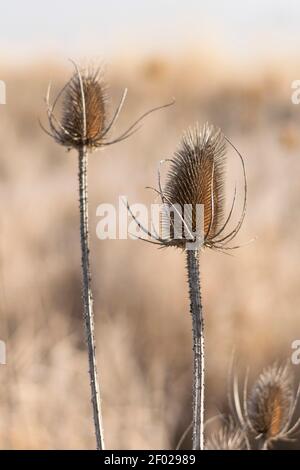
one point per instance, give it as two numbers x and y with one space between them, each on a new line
86 273
198 348
84 127
197 178
87 295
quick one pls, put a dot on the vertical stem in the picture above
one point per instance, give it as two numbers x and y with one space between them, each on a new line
198 348
87 296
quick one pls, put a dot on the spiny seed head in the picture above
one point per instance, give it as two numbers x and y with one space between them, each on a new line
192 210
196 177
83 118
270 402
83 110
228 437
83 122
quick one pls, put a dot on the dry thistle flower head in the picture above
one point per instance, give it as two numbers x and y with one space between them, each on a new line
196 178
84 120
228 437
84 113
272 403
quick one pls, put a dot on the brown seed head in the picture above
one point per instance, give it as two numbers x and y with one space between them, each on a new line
83 111
270 402
196 177
192 211
83 122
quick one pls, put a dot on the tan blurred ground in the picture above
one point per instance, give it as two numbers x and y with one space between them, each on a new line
251 300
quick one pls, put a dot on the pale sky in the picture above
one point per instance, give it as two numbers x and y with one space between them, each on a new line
96 27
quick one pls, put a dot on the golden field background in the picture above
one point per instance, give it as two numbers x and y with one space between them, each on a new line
143 326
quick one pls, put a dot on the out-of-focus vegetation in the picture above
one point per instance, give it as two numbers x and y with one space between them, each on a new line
143 332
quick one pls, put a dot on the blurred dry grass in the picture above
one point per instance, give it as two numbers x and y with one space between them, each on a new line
143 326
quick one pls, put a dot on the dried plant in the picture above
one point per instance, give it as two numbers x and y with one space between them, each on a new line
267 413
270 402
83 126
228 437
271 406
84 119
196 179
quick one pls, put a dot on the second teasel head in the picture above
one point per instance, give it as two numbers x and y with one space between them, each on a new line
271 404
196 179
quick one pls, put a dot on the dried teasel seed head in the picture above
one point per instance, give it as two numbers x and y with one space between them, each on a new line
83 121
84 112
270 402
228 437
196 177
193 199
